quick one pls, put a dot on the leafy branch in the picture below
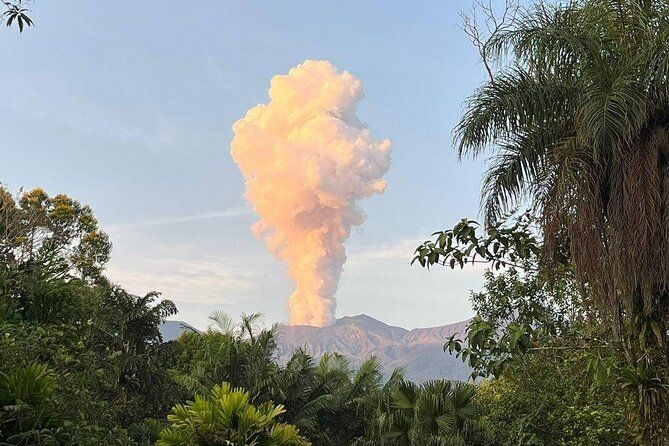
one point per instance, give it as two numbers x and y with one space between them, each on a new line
486 353
16 13
502 246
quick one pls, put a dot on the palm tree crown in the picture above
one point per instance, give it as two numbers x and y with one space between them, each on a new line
578 115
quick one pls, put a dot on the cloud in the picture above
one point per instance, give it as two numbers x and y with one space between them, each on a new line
308 160
228 213
144 125
182 277
380 281
402 251
238 275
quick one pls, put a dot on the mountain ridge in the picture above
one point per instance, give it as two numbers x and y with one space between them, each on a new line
418 351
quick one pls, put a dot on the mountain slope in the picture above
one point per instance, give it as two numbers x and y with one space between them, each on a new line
171 330
419 351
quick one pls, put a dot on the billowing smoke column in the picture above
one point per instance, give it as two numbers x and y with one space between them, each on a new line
307 159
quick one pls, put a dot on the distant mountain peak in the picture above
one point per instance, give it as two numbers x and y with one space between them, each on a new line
171 330
418 351
356 318
363 319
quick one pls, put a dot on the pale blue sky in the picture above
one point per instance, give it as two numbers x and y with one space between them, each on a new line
128 106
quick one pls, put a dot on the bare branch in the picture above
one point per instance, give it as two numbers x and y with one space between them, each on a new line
493 24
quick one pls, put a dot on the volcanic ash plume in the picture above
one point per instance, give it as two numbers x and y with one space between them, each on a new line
307 159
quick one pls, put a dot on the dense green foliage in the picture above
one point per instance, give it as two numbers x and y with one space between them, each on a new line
227 417
93 350
328 401
560 378
434 413
552 399
559 381
82 361
577 119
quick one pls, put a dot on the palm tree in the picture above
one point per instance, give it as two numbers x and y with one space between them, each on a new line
577 118
130 325
26 415
227 417
327 400
222 322
434 413
240 353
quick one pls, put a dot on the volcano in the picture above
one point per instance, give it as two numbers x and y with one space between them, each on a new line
419 351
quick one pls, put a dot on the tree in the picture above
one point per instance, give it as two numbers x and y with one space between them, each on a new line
434 413
49 232
136 319
507 243
554 376
550 399
26 415
50 249
81 361
517 314
126 334
327 399
240 354
577 119
227 417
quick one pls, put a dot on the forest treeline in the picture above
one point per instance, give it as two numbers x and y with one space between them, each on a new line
82 362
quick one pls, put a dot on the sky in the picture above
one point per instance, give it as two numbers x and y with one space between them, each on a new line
128 107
